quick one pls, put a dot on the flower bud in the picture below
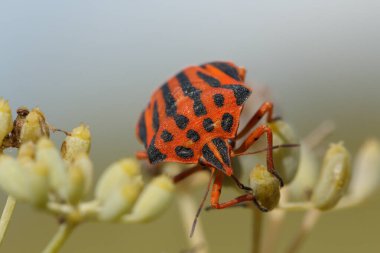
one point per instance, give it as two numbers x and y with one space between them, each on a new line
6 123
121 199
334 177
154 200
79 179
34 127
265 187
12 179
366 173
301 187
29 183
79 141
116 173
26 153
286 159
49 157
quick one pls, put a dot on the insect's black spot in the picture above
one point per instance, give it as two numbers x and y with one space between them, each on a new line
170 103
184 152
155 117
218 100
154 154
227 122
166 136
223 150
142 129
227 69
208 124
213 82
181 121
193 135
240 92
210 157
190 91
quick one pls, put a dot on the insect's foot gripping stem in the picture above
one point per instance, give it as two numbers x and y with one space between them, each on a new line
241 185
261 208
275 173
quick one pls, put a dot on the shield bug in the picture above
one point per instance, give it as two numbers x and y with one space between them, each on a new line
194 118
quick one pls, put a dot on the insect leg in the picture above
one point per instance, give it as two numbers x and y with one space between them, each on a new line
217 189
141 155
265 108
251 139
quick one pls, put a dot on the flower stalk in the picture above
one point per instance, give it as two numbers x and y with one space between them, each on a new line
61 236
6 216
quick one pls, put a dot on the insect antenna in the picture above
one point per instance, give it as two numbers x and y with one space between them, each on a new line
201 204
294 145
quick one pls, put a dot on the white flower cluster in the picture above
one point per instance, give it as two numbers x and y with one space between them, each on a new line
58 181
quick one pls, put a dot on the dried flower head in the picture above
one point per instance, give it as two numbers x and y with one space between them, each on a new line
34 127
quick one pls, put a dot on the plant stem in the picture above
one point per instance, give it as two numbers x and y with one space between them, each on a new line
6 216
59 238
310 219
187 209
275 222
257 223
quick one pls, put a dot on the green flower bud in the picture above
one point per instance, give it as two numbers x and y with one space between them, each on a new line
265 187
334 177
154 200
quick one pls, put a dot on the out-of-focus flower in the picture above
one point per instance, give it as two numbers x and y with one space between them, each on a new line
118 189
334 178
265 187
23 180
303 184
79 178
79 141
154 199
366 174
6 124
287 159
48 156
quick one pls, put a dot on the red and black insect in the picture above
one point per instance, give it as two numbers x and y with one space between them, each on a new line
194 118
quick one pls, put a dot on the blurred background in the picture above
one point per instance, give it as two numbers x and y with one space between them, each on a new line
98 62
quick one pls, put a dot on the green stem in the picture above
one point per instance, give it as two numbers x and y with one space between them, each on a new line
257 220
6 216
59 238
310 219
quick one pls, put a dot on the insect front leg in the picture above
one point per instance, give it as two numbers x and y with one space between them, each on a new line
251 139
